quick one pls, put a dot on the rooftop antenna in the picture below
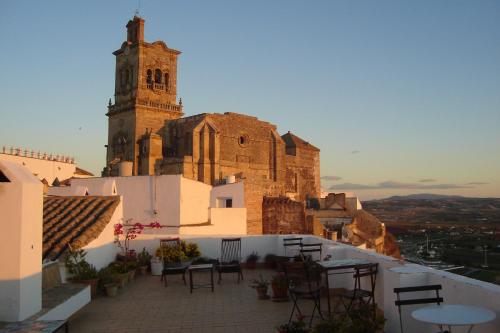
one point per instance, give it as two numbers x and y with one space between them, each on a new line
137 10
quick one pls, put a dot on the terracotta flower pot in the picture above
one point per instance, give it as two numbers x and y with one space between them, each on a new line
262 292
121 279
279 292
111 289
131 275
251 264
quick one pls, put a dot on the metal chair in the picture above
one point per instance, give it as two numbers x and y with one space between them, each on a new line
399 302
303 283
175 266
294 243
230 258
308 251
364 296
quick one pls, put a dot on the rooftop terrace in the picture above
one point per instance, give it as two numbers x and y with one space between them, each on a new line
147 306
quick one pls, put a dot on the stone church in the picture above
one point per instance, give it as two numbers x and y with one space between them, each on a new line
147 131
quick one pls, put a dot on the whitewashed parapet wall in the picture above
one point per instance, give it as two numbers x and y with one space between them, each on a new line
44 166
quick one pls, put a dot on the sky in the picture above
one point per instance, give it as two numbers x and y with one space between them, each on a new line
401 97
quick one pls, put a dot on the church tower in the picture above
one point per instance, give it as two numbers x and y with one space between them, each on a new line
145 99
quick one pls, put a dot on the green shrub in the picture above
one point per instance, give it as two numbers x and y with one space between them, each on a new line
79 267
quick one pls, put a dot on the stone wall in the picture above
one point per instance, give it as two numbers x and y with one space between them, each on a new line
281 215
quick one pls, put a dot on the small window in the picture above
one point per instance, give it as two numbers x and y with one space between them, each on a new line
243 140
224 202
149 76
166 81
157 76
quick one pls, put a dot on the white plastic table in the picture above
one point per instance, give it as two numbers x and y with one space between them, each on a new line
449 315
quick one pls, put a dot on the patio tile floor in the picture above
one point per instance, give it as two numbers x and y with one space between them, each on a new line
145 305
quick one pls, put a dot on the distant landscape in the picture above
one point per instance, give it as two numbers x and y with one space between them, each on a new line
454 233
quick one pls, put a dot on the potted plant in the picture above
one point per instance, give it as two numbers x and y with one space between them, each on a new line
107 281
296 326
82 271
252 259
143 260
260 285
131 268
121 275
279 285
358 320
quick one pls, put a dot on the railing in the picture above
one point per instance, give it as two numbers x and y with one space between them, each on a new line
38 155
156 86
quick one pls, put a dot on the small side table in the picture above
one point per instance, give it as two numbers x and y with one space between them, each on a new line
201 268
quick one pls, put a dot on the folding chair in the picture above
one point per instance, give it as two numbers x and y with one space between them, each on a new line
293 243
399 302
302 284
230 258
177 266
312 251
366 295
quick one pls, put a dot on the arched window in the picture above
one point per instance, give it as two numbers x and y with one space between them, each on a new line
149 76
157 76
166 81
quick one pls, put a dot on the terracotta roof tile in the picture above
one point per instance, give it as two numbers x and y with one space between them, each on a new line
74 220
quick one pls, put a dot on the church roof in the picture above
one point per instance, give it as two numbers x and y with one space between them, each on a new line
74 220
291 140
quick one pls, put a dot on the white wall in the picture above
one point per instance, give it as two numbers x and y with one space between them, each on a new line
102 250
234 191
194 201
49 170
67 190
21 211
96 185
182 205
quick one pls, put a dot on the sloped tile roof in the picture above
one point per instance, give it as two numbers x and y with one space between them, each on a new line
291 140
74 220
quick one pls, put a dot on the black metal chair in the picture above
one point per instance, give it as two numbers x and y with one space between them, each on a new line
363 295
175 266
292 243
399 302
313 252
304 282
230 258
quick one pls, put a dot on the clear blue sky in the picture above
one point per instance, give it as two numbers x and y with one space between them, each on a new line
401 97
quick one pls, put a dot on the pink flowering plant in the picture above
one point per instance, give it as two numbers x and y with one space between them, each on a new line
130 231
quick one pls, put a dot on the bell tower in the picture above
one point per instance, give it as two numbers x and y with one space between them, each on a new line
145 98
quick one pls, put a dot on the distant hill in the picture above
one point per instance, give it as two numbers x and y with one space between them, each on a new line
435 208
424 196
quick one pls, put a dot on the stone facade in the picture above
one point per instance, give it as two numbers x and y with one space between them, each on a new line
146 127
283 216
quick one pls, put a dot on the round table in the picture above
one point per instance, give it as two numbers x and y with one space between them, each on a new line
453 315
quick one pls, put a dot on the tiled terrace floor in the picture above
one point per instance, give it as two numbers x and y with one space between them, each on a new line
145 305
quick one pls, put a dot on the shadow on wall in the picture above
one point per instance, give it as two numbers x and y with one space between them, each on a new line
20 298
